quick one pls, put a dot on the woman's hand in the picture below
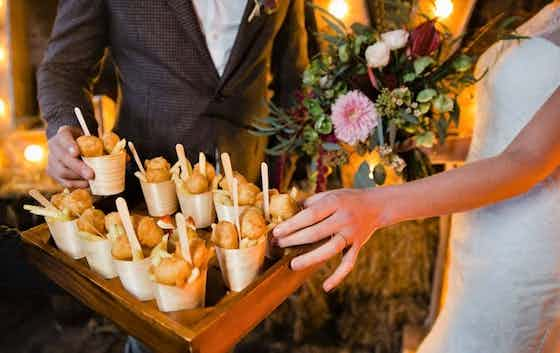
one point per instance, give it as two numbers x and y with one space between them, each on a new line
348 217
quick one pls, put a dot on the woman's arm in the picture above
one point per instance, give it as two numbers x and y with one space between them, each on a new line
353 215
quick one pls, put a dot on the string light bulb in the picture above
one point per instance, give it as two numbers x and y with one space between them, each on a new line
338 8
443 8
34 153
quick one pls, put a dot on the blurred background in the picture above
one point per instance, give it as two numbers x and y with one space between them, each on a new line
385 306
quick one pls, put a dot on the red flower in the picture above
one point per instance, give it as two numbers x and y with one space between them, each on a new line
424 40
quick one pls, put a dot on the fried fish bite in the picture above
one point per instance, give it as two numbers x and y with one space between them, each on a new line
172 271
78 201
253 224
148 232
90 146
282 207
113 219
157 163
225 236
58 200
210 171
157 175
196 183
248 194
259 202
240 180
121 249
110 140
92 221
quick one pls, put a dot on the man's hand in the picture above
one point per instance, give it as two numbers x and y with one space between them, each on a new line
64 163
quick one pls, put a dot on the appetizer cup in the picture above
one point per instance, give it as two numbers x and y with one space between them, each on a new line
191 296
226 213
200 207
109 174
99 258
135 278
65 235
241 266
161 198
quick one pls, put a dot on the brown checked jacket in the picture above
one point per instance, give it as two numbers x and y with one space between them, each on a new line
170 89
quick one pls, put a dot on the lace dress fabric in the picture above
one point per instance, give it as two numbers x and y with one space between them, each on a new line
504 278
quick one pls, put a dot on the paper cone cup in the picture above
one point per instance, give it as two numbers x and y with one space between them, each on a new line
109 174
171 298
225 213
99 258
65 235
135 278
241 266
161 198
199 207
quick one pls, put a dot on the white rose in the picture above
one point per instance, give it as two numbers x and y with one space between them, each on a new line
378 55
395 39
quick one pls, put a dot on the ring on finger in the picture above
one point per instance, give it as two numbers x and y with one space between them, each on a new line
346 243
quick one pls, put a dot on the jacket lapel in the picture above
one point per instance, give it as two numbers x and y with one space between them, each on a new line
186 14
245 39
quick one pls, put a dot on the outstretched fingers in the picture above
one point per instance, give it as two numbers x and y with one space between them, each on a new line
324 252
312 234
304 219
345 267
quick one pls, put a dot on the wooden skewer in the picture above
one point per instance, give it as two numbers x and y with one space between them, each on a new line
182 161
42 200
228 170
236 208
202 163
122 207
183 236
266 195
136 158
82 121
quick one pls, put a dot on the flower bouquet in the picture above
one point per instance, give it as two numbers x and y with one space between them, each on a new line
391 93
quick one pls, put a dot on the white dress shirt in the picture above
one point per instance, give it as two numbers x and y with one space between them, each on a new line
220 21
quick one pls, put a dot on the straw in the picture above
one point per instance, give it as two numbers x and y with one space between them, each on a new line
228 171
42 200
266 196
82 121
122 207
136 158
236 208
183 237
202 163
182 160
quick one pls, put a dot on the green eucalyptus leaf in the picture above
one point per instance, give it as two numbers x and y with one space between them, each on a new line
330 146
422 63
409 117
324 125
361 30
362 177
392 132
426 95
379 174
442 126
426 139
462 63
424 107
343 54
409 77
443 104
455 114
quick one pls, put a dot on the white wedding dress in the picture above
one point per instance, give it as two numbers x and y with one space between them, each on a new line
503 290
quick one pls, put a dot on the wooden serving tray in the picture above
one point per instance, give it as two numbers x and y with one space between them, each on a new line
216 328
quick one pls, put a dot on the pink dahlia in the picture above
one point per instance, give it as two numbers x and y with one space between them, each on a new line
353 117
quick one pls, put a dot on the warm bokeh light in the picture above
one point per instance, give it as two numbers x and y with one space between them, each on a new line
3 54
34 153
339 8
443 8
3 108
